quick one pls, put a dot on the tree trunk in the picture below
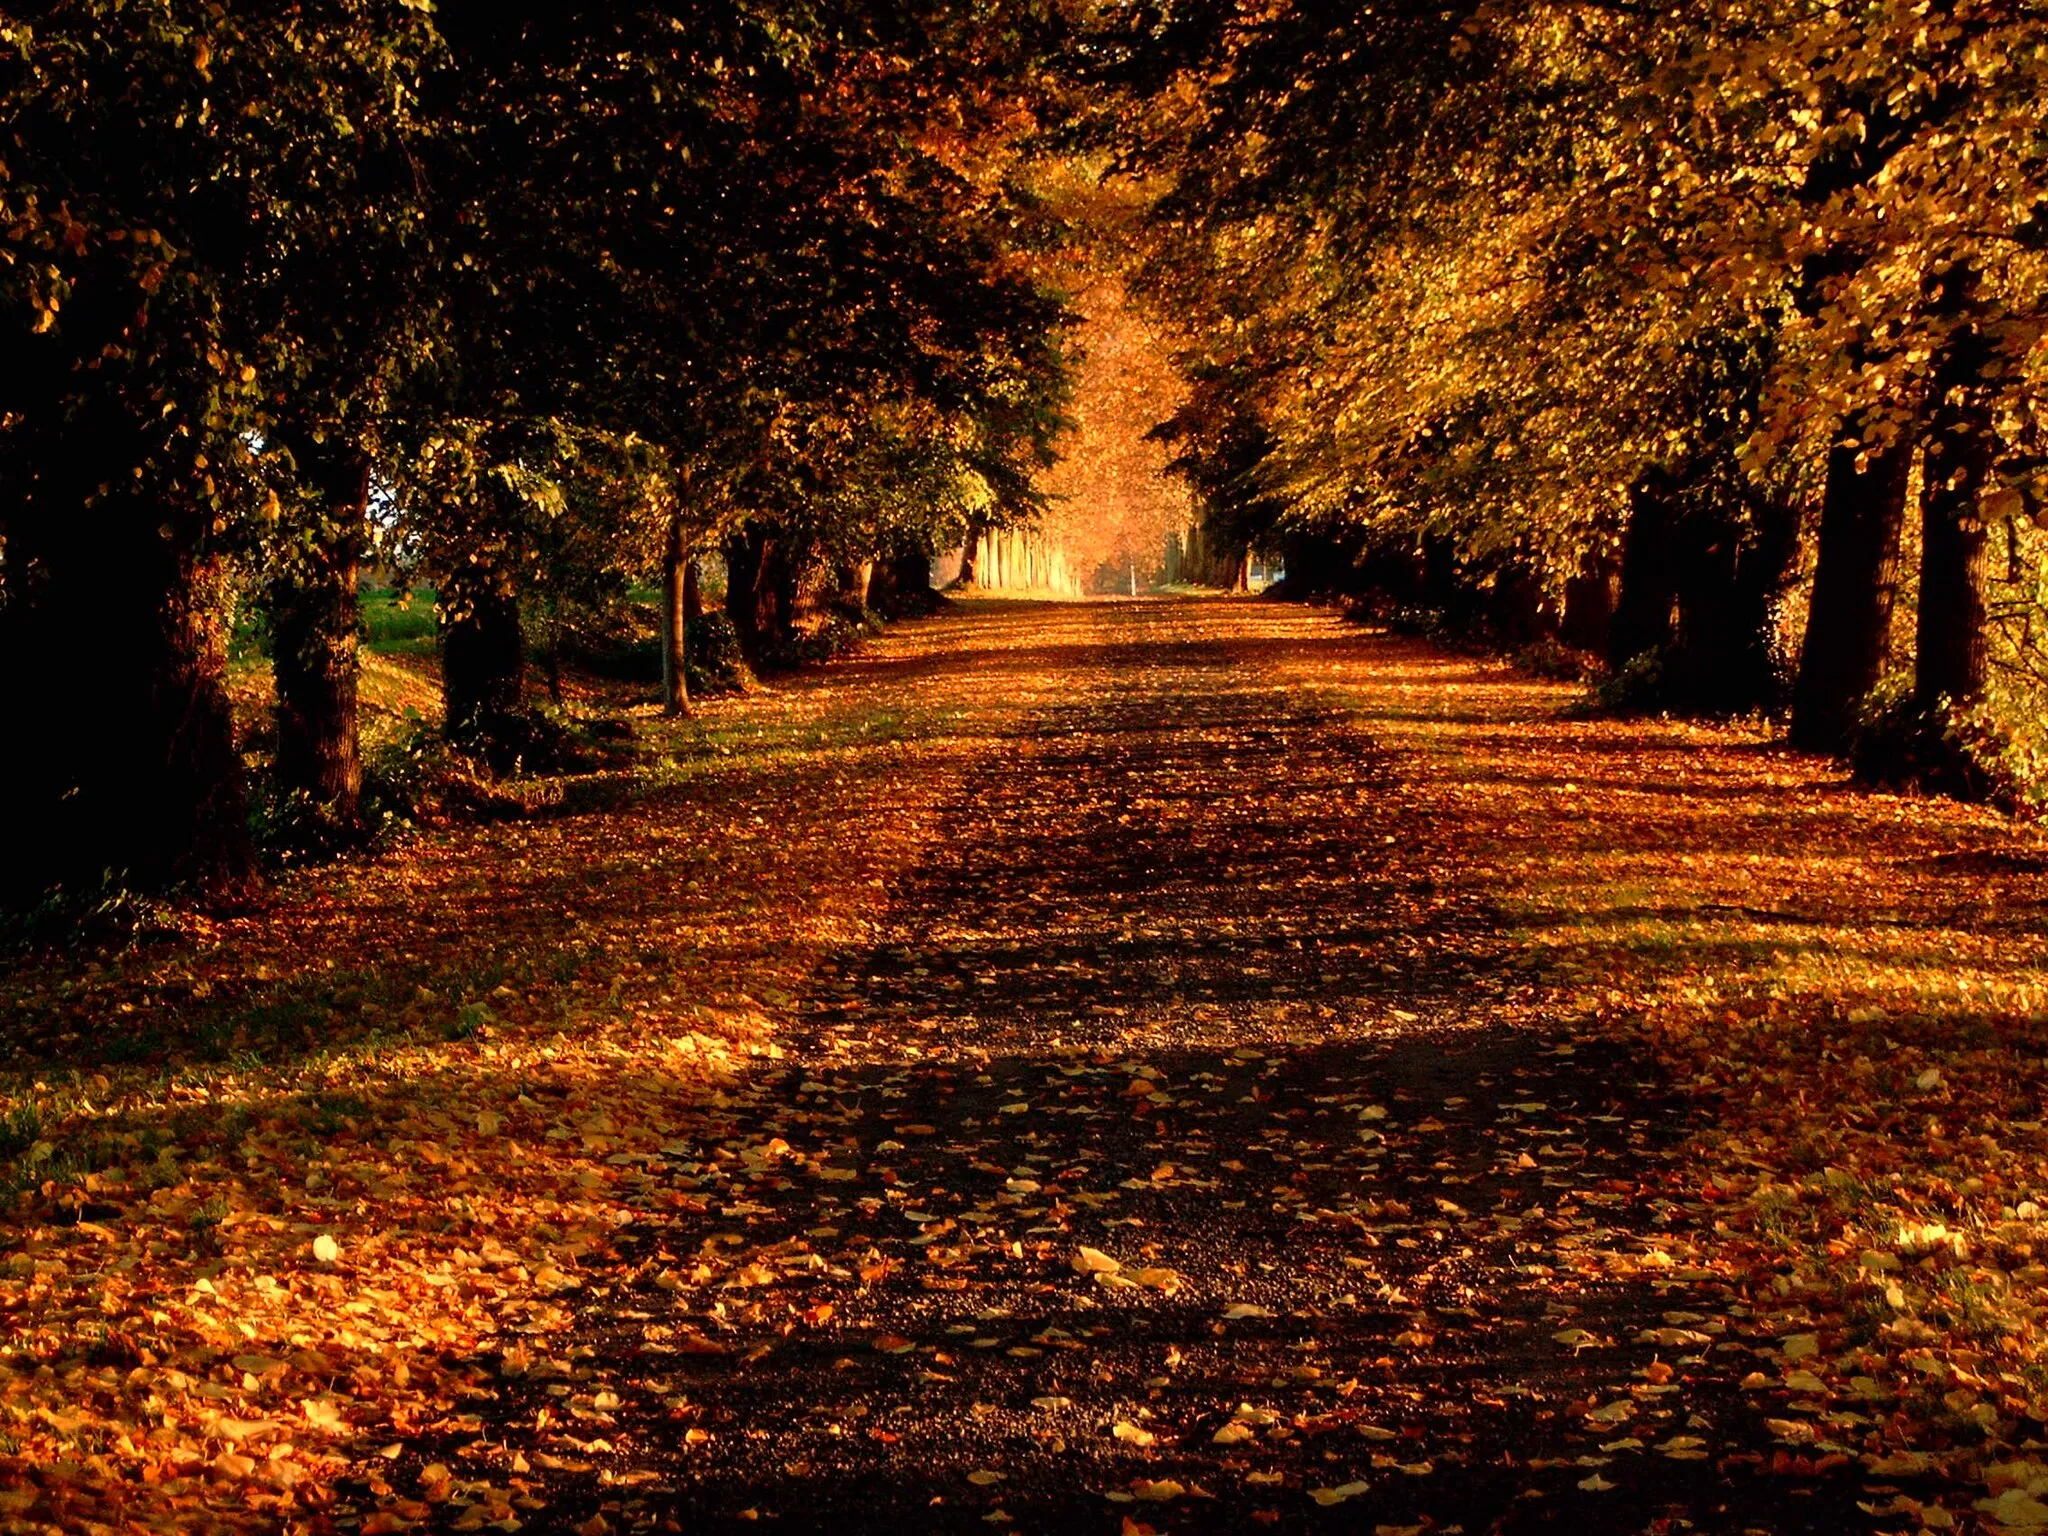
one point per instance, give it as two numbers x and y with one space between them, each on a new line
1848 627
856 580
1952 642
761 591
675 617
1642 623
693 597
201 804
782 579
1391 570
551 659
1711 634
1732 567
1589 606
113 670
1517 612
902 585
1767 563
315 623
483 657
970 553
743 551
202 801
1441 577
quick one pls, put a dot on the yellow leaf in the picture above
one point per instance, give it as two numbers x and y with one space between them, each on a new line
239 1430
1093 1261
1157 1492
321 1412
1328 1496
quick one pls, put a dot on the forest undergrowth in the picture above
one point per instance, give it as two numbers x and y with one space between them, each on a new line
311 1207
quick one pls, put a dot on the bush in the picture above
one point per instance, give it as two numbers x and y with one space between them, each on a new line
841 628
1552 659
290 827
2017 768
1637 688
398 779
526 740
711 655
622 643
402 787
1416 619
107 915
1899 743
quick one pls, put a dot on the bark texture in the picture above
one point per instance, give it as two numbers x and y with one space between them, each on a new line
675 619
970 553
1734 567
315 625
483 656
1952 643
762 591
902 585
1589 607
123 770
1644 620
1855 582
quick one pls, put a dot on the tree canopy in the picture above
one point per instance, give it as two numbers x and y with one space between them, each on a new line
1706 347
494 292
1527 297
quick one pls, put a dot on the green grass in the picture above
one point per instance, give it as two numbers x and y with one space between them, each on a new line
395 623
398 624
21 1126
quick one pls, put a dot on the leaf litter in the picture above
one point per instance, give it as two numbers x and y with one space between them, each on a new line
1219 1078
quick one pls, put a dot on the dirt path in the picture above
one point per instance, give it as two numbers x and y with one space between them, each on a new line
1177 997
1172 1065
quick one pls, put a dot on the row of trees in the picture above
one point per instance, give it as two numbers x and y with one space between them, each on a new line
537 300
1647 328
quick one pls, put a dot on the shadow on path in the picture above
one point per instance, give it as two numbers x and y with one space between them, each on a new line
1179 989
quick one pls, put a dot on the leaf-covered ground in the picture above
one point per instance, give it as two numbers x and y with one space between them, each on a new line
1183 1065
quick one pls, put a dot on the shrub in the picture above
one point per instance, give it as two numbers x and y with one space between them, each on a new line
1636 688
107 914
711 655
1553 659
1900 743
621 642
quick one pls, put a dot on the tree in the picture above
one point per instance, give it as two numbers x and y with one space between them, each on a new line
1501 296
164 162
746 241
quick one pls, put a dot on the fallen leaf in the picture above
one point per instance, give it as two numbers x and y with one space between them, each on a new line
1157 1492
1337 1495
1093 1261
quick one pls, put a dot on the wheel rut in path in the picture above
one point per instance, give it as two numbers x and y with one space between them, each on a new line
1178 993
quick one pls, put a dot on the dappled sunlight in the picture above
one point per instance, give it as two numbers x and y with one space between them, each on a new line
1133 1069
1027 766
